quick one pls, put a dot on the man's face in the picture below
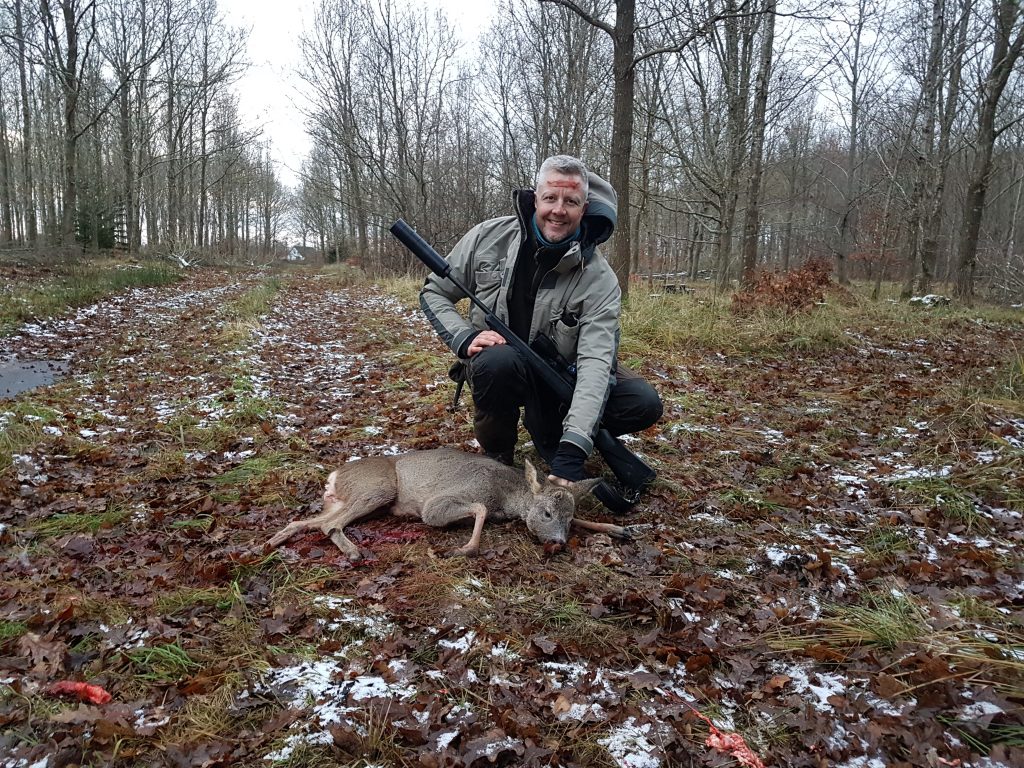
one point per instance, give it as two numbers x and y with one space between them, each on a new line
560 206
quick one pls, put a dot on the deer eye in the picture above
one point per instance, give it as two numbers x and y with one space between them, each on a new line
547 515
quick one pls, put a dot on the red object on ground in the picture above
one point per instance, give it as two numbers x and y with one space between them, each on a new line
732 743
93 694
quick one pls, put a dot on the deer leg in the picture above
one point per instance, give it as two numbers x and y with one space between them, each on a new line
337 514
291 529
444 510
612 530
360 505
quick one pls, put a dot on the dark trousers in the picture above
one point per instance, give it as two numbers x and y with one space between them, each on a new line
502 383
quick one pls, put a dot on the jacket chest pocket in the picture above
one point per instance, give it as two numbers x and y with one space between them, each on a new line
564 331
487 284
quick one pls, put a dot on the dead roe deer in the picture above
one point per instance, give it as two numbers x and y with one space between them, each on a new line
441 487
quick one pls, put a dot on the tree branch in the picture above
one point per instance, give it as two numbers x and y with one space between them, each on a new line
591 20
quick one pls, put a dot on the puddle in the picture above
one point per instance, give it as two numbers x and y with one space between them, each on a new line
18 375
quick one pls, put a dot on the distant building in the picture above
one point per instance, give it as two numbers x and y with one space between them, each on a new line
302 254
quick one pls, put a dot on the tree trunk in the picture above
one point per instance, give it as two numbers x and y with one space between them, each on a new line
1006 51
71 91
624 75
751 228
6 189
31 223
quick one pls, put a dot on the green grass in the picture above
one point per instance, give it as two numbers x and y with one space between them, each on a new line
405 288
345 276
162 663
254 302
201 523
21 428
747 501
883 542
242 315
77 286
190 597
951 502
254 470
73 522
11 629
885 619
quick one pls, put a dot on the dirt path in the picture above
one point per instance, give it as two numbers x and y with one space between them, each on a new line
830 567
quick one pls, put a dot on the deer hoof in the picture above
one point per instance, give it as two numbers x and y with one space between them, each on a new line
620 533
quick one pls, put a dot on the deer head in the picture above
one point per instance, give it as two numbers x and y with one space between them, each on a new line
553 506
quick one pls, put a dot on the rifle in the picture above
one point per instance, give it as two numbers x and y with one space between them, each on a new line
629 469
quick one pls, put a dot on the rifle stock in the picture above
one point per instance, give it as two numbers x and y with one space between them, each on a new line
630 470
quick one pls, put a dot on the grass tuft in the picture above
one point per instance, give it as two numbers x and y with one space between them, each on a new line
168 663
884 541
885 619
62 524
951 502
11 629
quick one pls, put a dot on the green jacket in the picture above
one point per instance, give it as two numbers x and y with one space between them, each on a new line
582 286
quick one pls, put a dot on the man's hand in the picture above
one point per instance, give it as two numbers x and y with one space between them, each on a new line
567 466
483 340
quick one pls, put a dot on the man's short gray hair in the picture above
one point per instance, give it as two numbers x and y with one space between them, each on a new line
567 165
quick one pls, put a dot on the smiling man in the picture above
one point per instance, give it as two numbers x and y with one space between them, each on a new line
542 274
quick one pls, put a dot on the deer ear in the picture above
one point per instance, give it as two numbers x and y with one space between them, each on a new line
531 478
583 487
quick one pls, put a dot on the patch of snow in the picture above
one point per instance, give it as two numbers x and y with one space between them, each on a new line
238 455
855 486
332 602
862 761
828 685
885 707
917 473
980 709
445 739
629 747
580 713
28 469
930 300
462 644
377 626
704 517
778 555
502 651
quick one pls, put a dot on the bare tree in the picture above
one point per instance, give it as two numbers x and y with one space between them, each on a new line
861 56
751 223
1007 45
623 33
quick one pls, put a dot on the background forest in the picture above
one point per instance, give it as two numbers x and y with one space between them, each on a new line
883 136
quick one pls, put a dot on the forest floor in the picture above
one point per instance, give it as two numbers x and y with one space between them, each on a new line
830 564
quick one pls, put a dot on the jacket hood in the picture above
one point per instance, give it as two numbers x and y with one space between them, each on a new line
602 209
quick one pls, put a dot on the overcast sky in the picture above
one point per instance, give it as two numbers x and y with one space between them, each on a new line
268 92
